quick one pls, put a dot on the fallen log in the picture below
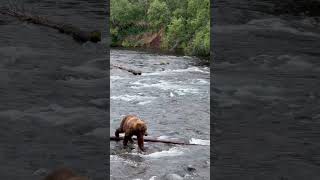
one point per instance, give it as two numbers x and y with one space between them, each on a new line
76 33
113 138
134 72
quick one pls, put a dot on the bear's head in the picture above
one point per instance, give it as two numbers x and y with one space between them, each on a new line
141 127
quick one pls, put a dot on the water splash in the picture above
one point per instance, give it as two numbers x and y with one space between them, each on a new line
199 141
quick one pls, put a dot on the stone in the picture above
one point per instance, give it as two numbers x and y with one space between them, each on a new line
190 168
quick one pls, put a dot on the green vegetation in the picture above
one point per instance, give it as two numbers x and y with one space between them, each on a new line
170 25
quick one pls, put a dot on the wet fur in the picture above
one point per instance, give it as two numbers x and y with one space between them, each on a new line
132 125
64 174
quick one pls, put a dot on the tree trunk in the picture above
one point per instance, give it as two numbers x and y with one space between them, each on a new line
135 72
76 33
113 138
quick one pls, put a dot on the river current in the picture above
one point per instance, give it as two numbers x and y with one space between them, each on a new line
172 96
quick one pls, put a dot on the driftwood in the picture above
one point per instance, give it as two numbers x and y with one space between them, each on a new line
76 33
113 138
135 72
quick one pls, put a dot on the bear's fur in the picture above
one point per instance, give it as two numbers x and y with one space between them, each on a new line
64 174
132 125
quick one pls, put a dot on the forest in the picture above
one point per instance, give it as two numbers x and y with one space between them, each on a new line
181 26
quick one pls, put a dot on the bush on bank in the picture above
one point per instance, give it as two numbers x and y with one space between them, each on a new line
171 25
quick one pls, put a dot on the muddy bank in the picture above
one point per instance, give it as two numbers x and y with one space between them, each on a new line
265 96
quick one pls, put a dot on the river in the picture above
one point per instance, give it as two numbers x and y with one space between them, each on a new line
53 93
266 90
172 96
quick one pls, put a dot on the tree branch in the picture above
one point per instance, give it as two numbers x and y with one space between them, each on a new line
113 138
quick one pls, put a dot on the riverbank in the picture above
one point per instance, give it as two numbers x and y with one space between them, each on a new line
174 26
141 44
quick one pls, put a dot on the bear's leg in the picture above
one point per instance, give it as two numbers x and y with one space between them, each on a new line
140 142
126 139
118 131
131 140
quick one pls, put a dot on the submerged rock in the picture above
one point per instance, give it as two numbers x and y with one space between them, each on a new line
190 168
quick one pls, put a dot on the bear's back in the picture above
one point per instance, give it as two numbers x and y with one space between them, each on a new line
129 121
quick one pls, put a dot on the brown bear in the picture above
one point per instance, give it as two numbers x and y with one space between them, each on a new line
64 174
132 125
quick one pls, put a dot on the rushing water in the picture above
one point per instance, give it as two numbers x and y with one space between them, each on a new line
172 96
266 91
53 94
52 88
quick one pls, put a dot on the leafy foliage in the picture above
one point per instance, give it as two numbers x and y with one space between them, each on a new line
158 14
186 23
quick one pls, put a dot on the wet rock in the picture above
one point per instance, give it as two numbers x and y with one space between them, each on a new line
163 63
190 168
173 177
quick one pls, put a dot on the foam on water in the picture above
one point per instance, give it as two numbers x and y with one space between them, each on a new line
164 85
169 153
116 77
200 81
170 71
128 98
193 69
164 137
156 155
115 158
199 141
145 102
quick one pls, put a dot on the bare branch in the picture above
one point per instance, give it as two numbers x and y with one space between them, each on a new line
113 138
